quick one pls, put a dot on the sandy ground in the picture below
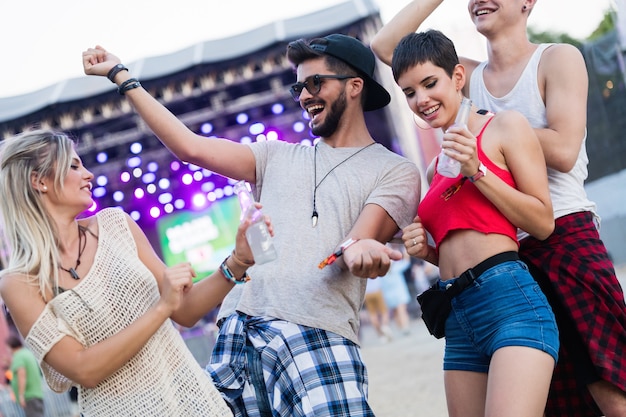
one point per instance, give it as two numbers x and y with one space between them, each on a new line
406 377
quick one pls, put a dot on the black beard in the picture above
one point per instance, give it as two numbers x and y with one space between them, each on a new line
334 116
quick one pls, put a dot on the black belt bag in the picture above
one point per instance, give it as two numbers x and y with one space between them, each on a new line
436 303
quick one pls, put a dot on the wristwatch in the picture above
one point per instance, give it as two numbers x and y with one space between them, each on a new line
482 171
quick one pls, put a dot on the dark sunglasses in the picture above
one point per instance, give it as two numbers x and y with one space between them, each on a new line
313 84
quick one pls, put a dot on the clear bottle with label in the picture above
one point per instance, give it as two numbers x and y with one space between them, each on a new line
450 167
258 235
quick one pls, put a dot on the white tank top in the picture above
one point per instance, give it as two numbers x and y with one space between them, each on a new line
566 188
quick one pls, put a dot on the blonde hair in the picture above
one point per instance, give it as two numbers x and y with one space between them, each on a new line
29 231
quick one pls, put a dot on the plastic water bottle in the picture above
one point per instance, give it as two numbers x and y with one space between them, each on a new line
450 167
258 236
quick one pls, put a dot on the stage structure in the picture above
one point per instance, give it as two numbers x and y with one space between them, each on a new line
235 88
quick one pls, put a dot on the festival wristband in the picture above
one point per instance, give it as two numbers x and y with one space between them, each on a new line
334 256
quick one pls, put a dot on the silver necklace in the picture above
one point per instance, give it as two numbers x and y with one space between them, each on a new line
315 215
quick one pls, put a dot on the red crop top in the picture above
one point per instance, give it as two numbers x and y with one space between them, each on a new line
468 208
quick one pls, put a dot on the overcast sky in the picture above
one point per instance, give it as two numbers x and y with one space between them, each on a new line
41 40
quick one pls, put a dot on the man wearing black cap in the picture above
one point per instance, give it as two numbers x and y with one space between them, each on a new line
288 339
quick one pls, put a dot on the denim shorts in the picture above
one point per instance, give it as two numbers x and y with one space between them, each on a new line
503 307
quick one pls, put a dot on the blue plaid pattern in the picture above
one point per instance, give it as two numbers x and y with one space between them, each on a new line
307 372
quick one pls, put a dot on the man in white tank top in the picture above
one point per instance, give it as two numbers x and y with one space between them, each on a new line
572 266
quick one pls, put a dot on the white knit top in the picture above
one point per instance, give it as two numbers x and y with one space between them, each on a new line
163 378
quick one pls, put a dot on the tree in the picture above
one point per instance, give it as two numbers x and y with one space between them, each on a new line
605 26
552 37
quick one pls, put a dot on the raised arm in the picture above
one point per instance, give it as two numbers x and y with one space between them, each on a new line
408 20
222 156
200 298
566 105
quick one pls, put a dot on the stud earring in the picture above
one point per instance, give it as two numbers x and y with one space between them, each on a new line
524 8
44 188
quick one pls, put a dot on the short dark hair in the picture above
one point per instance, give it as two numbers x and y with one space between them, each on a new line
14 341
419 48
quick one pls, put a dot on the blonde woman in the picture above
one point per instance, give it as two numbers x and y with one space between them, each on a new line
91 297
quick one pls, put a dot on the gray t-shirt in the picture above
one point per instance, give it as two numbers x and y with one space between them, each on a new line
292 287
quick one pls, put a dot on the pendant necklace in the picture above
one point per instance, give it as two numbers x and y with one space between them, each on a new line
82 243
315 216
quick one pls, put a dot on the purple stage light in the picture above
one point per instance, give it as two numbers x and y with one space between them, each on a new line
256 128
219 193
228 190
242 118
118 196
208 186
206 128
139 193
102 180
272 135
135 215
151 188
136 148
99 192
164 183
278 108
187 179
299 127
175 166
165 198
125 176
152 166
179 203
148 178
102 157
199 200
155 212
133 162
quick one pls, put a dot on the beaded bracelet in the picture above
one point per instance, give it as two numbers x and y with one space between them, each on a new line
113 71
128 85
228 274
